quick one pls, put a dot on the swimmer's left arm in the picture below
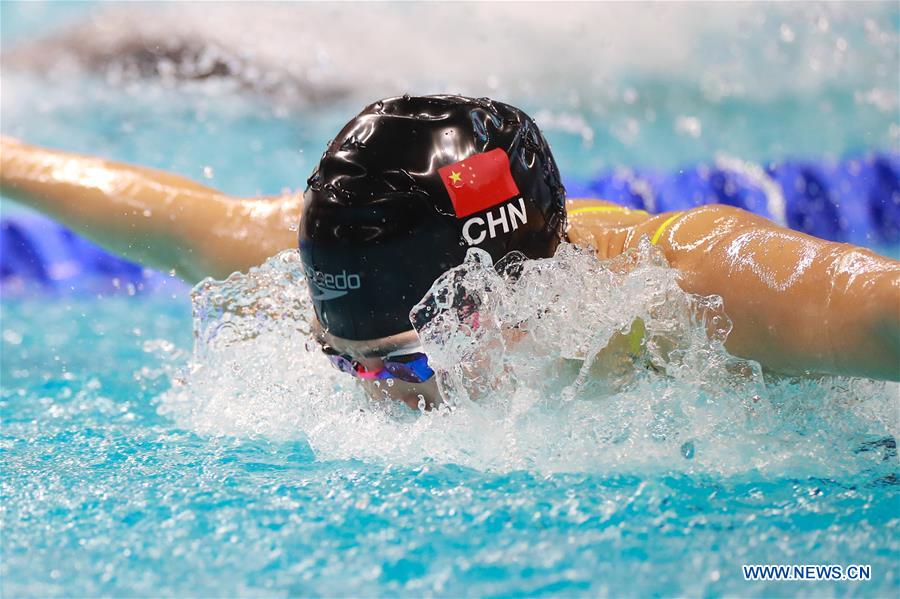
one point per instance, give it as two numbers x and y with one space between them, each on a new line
799 304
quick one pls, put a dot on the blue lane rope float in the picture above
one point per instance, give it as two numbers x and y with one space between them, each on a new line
39 254
856 200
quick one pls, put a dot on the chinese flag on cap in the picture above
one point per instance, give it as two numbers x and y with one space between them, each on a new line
478 182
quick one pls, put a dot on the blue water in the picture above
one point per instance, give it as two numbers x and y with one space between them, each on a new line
107 489
102 496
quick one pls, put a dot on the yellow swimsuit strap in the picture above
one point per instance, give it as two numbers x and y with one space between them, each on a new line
604 209
654 239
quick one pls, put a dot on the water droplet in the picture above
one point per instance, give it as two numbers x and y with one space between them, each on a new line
12 337
689 125
787 34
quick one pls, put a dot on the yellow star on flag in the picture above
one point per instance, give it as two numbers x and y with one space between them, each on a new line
455 177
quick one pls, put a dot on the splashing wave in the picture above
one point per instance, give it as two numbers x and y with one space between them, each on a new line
539 372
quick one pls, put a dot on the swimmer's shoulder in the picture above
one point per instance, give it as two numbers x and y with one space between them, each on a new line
596 213
602 224
611 229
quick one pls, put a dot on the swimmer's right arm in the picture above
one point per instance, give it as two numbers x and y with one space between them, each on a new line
150 216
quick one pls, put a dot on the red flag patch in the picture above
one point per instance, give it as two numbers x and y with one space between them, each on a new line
478 182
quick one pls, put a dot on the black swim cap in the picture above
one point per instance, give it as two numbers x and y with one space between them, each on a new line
405 189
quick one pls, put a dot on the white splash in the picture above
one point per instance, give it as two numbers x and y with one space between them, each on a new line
541 379
754 50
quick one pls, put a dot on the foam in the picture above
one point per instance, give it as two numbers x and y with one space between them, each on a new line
683 404
312 52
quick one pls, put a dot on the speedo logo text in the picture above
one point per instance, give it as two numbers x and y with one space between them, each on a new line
326 286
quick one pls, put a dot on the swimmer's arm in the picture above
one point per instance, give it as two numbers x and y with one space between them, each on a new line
799 304
153 217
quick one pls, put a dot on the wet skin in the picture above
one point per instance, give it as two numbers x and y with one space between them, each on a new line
800 305
852 328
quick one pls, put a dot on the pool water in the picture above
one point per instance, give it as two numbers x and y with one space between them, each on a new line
103 495
155 446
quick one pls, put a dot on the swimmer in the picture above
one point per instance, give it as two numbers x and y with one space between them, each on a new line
411 183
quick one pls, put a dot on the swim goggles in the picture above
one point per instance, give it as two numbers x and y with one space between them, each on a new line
411 367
